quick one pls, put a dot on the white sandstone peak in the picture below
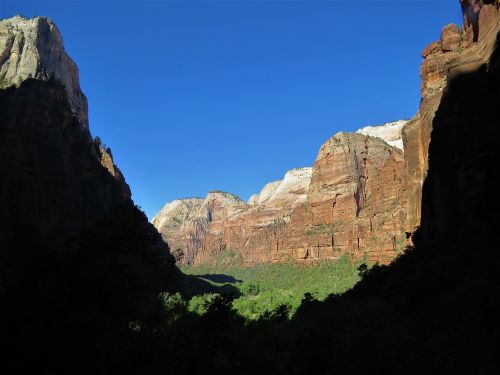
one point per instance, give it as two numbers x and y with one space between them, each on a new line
389 132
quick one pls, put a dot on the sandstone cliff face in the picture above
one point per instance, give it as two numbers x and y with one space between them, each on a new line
354 204
457 52
459 204
60 181
364 195
350 201
33 48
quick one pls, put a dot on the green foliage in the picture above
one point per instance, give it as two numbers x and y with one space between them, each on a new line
266 287
173 306
199 304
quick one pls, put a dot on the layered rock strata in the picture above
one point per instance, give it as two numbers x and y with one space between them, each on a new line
365 192
457 52
348 202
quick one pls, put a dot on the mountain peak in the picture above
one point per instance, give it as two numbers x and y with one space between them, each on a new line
34 48
390 132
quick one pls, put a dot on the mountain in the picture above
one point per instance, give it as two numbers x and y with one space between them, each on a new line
351 201
365 190
78 260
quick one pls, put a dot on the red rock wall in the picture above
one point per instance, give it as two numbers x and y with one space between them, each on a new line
365 196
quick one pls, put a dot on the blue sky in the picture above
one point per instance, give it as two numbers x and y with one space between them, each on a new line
199 95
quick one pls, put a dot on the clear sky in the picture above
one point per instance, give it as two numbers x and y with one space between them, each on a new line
194 96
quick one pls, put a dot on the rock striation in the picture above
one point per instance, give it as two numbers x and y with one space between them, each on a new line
350 201
445 59
464 139
364 194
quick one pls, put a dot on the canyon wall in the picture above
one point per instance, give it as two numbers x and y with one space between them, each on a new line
457 52
365 189
58 181
351 201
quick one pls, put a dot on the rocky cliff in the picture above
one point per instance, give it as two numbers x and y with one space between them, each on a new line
78 260
458 51
60 180
33 48
459 188
365 189
351 201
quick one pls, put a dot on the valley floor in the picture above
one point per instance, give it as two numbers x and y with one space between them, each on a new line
261 289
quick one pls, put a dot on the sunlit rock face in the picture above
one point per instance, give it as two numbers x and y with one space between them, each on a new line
349 201
363 196
390 132
33 48
355 203
203 227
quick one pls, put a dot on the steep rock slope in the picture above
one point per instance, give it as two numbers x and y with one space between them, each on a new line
223 221
365 193
33 48
78 260
60 179
458 51
354 204
351 201
464 142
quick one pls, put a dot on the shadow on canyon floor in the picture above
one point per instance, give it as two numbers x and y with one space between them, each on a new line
221 278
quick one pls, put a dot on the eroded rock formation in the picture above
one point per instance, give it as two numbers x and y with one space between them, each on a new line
350 201
364 196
